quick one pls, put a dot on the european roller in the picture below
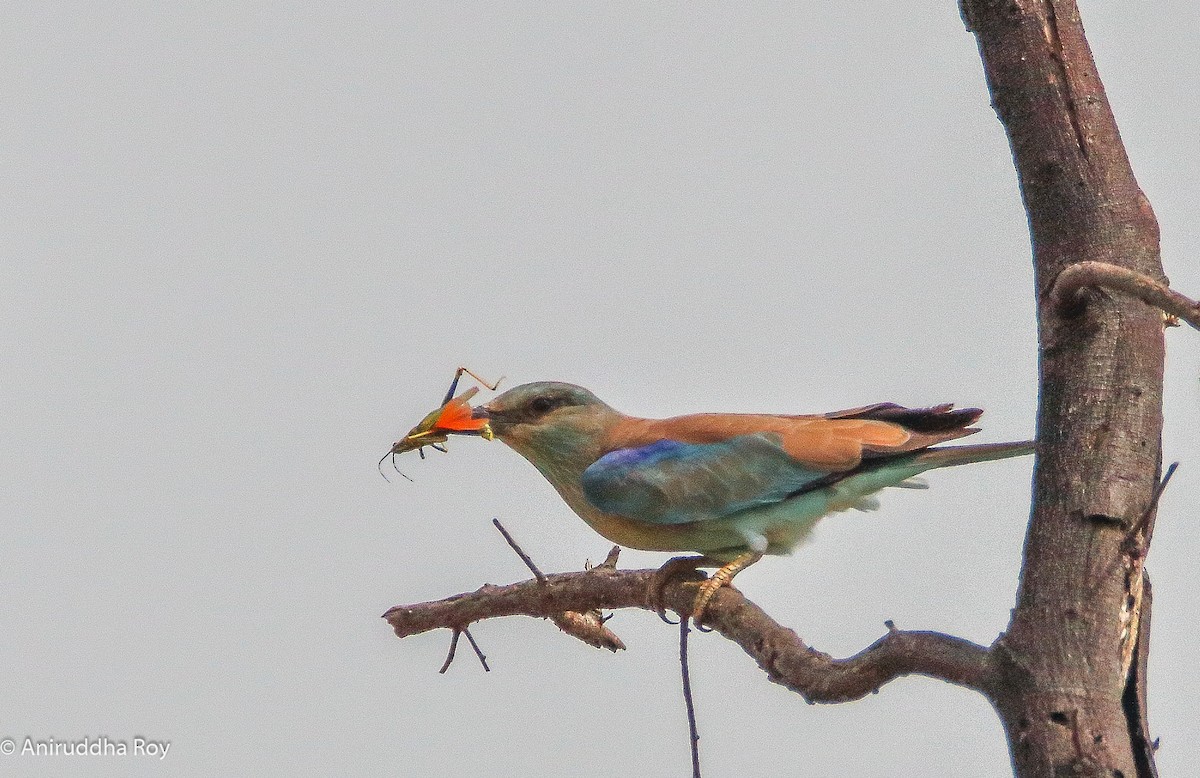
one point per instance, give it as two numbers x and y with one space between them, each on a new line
730 487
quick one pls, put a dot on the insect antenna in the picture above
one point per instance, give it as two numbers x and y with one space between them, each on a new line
379 467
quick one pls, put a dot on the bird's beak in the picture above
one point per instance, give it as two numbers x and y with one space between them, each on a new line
494 420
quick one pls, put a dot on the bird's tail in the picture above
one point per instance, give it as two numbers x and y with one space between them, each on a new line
949 456
857 489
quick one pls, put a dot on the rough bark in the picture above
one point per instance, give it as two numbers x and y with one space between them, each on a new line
1099 420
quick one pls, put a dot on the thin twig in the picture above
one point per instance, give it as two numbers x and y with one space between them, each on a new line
693 731
1064 294
456 632
1144 520
450 653
588 625
478 652
520 552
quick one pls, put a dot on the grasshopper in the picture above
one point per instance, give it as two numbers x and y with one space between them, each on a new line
452 417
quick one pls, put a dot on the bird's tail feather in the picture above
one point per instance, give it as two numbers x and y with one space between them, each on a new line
857 489
949 456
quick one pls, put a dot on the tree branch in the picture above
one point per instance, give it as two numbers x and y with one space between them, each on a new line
785 658
1065 294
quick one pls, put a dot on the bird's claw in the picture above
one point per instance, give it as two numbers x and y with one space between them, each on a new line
672 568
708 589
722 577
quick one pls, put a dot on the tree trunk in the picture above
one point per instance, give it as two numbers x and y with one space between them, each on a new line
1063 667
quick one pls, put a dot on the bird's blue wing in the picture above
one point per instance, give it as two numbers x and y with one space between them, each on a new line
668 482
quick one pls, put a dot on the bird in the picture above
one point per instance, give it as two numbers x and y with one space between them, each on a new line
728 487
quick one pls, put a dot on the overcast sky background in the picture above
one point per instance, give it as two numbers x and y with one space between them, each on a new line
246 245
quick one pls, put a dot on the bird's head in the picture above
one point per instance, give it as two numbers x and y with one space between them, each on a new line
549 421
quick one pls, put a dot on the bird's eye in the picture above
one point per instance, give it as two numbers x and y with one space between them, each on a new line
540 405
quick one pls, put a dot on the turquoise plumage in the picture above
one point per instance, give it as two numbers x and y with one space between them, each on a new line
668 482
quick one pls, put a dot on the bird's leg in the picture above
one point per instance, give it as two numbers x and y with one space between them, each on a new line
721 578
671 569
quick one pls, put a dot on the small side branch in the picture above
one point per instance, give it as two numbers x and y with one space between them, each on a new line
454 648
587 626
1065 293
516 547
785 658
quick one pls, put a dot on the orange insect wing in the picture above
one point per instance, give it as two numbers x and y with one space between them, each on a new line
456 415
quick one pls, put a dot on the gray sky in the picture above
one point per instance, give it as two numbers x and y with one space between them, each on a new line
247 244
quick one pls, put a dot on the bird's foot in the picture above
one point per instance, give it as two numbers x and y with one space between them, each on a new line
672 569
722 577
